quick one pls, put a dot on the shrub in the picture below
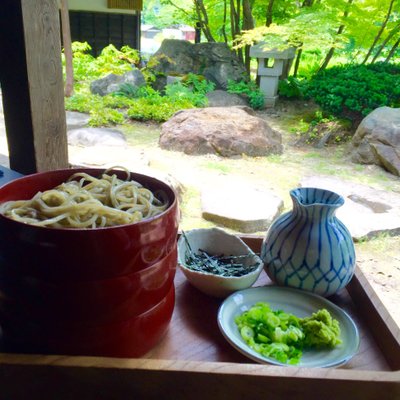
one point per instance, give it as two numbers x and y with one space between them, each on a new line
149 104
102 110
291 88
192 88
111 60
158 109
249 90
178 92
102 116
198 83
353 91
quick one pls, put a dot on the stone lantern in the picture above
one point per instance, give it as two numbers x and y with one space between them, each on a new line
273 64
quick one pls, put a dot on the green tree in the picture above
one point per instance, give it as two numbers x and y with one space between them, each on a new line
369 24
345 30
340 30
383 25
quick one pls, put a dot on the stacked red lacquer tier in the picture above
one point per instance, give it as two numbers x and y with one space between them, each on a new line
103 291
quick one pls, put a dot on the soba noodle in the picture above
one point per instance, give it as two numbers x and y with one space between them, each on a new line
87 202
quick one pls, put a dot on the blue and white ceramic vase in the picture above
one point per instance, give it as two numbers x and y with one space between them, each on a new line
309 247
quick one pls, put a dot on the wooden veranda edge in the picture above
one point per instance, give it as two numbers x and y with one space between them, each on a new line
43 377
377 317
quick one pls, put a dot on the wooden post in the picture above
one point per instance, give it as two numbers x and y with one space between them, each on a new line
32 85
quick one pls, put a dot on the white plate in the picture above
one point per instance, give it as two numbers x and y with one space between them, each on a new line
299 303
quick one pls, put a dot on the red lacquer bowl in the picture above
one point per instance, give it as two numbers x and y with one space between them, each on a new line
98 301
61 255
131 338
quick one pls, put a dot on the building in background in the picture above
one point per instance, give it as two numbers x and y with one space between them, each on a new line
152 36
189 33
104 22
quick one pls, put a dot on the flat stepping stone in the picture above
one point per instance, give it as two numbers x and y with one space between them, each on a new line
76 119
88 137
239 207
367 212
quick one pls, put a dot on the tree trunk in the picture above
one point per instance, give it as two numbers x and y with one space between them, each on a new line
331 51
297 62
235 24
248 23
307 3
268 17
203 19
234 28
386 41
197 29
66 35
379 34
393 50
224 22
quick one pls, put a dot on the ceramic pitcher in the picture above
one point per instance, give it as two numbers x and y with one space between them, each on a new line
309 247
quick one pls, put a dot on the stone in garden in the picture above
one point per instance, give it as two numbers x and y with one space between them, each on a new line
221 98
377 140
225 131
112 82
367 212
241 207
88 137
76 120
215 61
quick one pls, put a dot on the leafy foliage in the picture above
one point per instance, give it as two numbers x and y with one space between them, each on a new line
179 92
111 60
355 90
198 83
102 110
188 93
156 108
291 88
250 90
133 92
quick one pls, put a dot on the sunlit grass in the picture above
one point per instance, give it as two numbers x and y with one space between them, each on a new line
219 166
139 134
383 243
275 158
313 154
190 208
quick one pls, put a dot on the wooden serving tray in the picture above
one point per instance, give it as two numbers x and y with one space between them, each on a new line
194 361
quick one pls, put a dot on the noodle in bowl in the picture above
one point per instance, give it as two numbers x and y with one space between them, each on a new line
64 254
84 201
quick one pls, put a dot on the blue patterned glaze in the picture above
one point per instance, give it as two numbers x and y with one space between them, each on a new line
309 247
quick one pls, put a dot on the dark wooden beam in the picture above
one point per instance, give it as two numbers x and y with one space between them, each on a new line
32 85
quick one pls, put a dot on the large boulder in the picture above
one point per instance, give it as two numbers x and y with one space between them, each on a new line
112 82
377 140
215 61
226 131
